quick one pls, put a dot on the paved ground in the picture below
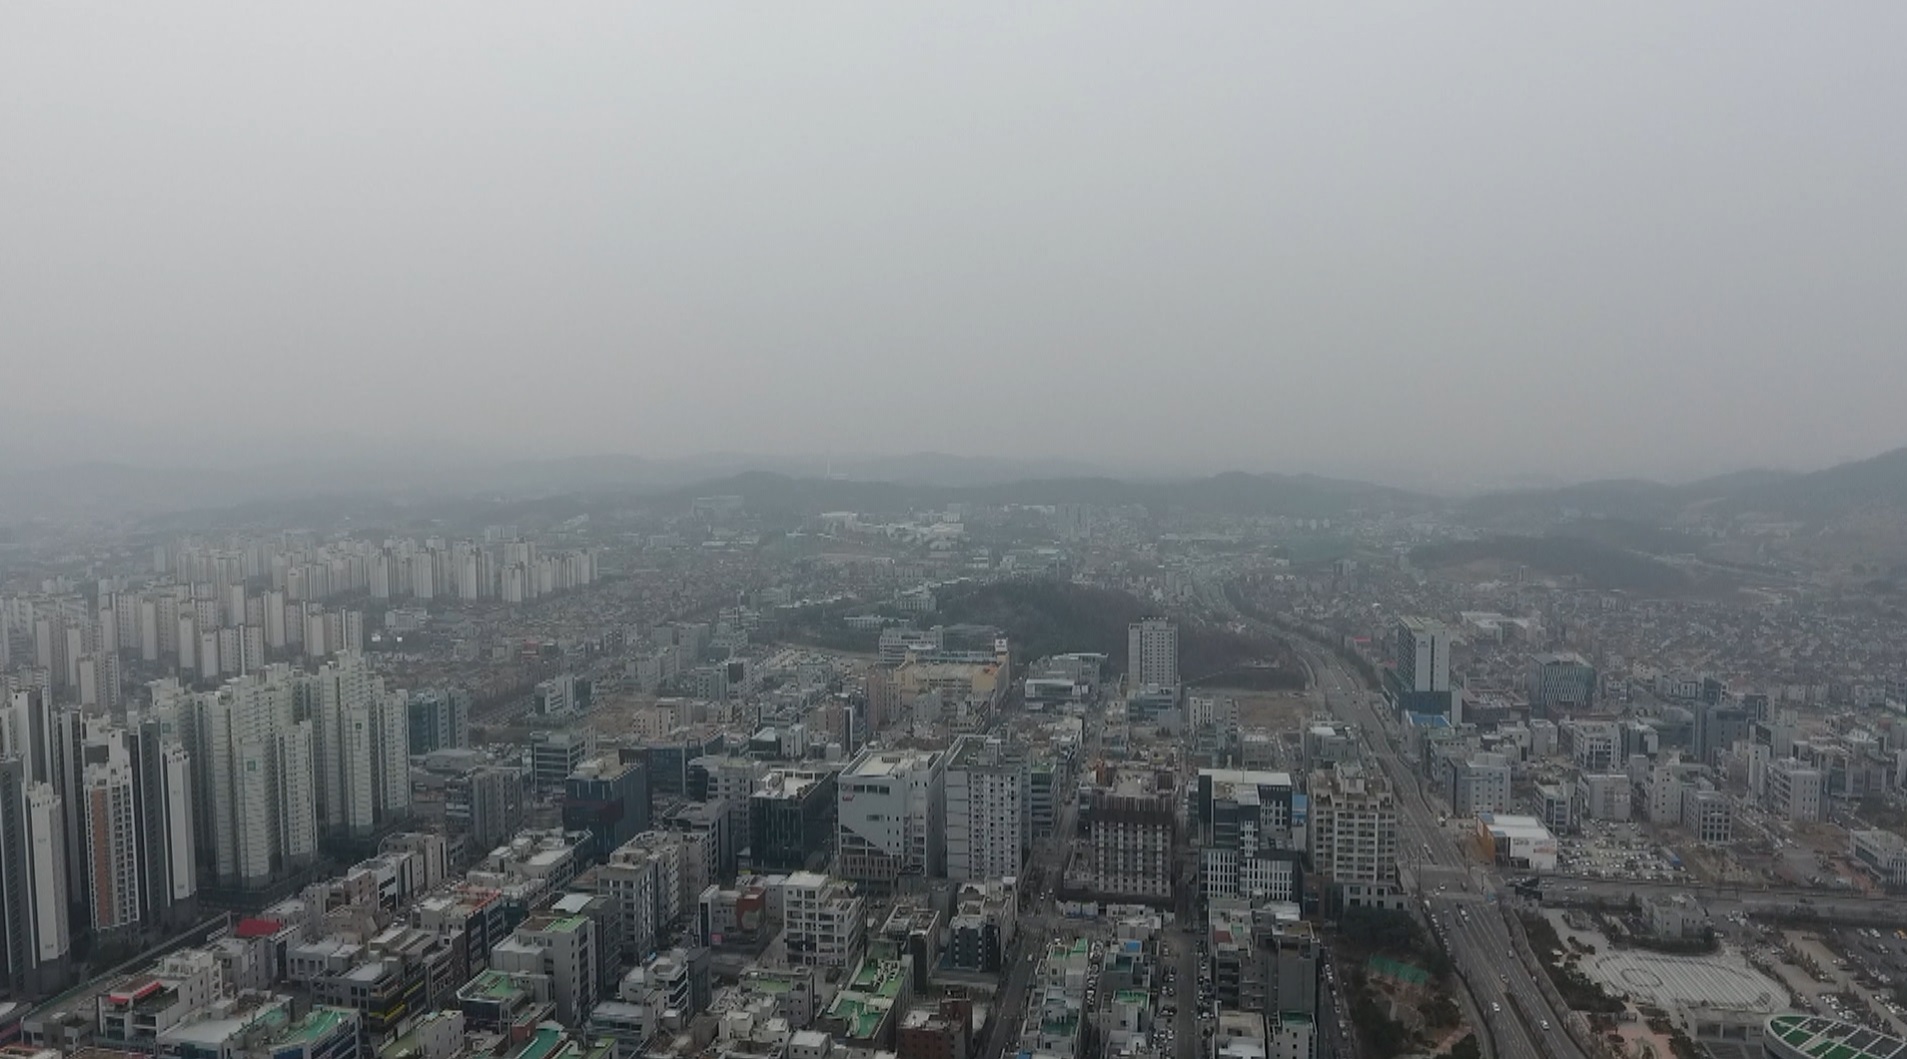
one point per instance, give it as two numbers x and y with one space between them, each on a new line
1723 981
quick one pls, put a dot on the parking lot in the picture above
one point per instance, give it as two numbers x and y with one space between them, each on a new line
1618 850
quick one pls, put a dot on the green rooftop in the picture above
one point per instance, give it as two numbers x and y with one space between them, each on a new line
493 985
546 1041
1814 1037
319 1023
1132 996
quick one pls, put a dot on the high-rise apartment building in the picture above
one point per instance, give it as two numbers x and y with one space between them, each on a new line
1353 836
362 746
1152 653
986 811
112 846
255 778
1130 835
35 933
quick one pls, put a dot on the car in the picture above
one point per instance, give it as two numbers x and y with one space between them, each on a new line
1544 1023
1495 1007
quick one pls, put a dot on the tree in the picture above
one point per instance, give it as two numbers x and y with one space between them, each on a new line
1468 1048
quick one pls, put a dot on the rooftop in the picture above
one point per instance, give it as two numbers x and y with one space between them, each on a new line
1823 1038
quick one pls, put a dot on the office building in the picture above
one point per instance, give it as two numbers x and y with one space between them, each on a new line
562 947
1604 795
1152 653
1481 784
890 817
439 720
554 755
1561 682
791 820
1249 846
986 811
1794 791
1423 655
609 798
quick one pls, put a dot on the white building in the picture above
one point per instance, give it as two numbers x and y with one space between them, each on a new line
254 778
823 919
1520 842
1423 655
363 748
1353 834
1794 790
890 820
1152 653
986 812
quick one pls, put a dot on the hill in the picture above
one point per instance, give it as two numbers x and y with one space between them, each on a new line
1046 617
1816 498
1594 564
1300 496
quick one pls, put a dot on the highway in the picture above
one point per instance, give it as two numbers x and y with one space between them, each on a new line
1459 894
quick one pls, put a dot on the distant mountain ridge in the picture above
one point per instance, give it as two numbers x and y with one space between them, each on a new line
926 479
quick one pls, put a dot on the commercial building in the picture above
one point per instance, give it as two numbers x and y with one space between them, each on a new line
986 811
1249 845
1517 842
891 817
1882 855
824 921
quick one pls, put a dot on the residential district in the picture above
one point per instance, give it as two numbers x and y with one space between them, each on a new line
700 782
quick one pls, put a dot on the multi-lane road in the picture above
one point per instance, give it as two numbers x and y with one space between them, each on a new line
1459 895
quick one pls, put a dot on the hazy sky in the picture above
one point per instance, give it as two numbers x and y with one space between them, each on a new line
1580 239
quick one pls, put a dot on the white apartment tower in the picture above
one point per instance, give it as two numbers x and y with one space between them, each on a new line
986 811
363 747
1152 653
1354 833
254 778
